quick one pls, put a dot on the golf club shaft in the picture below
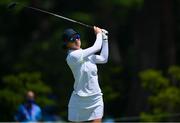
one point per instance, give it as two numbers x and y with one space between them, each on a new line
59 16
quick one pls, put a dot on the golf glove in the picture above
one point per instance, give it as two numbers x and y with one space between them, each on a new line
105 35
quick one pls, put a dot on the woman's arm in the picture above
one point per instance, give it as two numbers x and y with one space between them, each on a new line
103 57
79 55
95 48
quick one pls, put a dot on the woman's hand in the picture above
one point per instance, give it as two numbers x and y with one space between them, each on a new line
97 30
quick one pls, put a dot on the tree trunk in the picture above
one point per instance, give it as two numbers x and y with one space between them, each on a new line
167 47
146 42
168 50
154 46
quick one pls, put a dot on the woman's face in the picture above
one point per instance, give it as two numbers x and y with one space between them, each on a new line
74 45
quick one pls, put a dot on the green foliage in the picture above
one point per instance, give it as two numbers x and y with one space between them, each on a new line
128 3
157 115
14 88
174 71
31 41
82 16
110 94
165 96
153 80
110 84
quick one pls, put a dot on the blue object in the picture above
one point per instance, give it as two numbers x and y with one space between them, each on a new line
68 34
74 37
25 114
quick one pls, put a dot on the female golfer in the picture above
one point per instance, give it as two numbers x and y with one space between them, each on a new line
86 102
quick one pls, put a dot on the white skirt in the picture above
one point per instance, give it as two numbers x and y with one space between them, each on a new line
85 108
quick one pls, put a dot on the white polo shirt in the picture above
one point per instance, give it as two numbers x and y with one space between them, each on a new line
82 63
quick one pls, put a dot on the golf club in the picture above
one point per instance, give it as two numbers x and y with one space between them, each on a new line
14 4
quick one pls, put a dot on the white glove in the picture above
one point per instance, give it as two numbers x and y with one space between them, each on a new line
105 35
104 31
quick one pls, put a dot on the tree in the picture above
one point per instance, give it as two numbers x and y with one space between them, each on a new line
153 39
164 96
13 91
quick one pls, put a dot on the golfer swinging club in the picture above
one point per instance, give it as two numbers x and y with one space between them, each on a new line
86 102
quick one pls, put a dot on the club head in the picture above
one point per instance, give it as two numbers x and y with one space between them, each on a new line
12 5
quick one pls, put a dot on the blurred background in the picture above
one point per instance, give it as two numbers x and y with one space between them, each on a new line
140 82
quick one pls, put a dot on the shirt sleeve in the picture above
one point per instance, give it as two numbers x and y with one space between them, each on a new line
20 116
103 57
39 114
80 55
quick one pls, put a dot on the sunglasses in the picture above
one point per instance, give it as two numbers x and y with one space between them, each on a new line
75 37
